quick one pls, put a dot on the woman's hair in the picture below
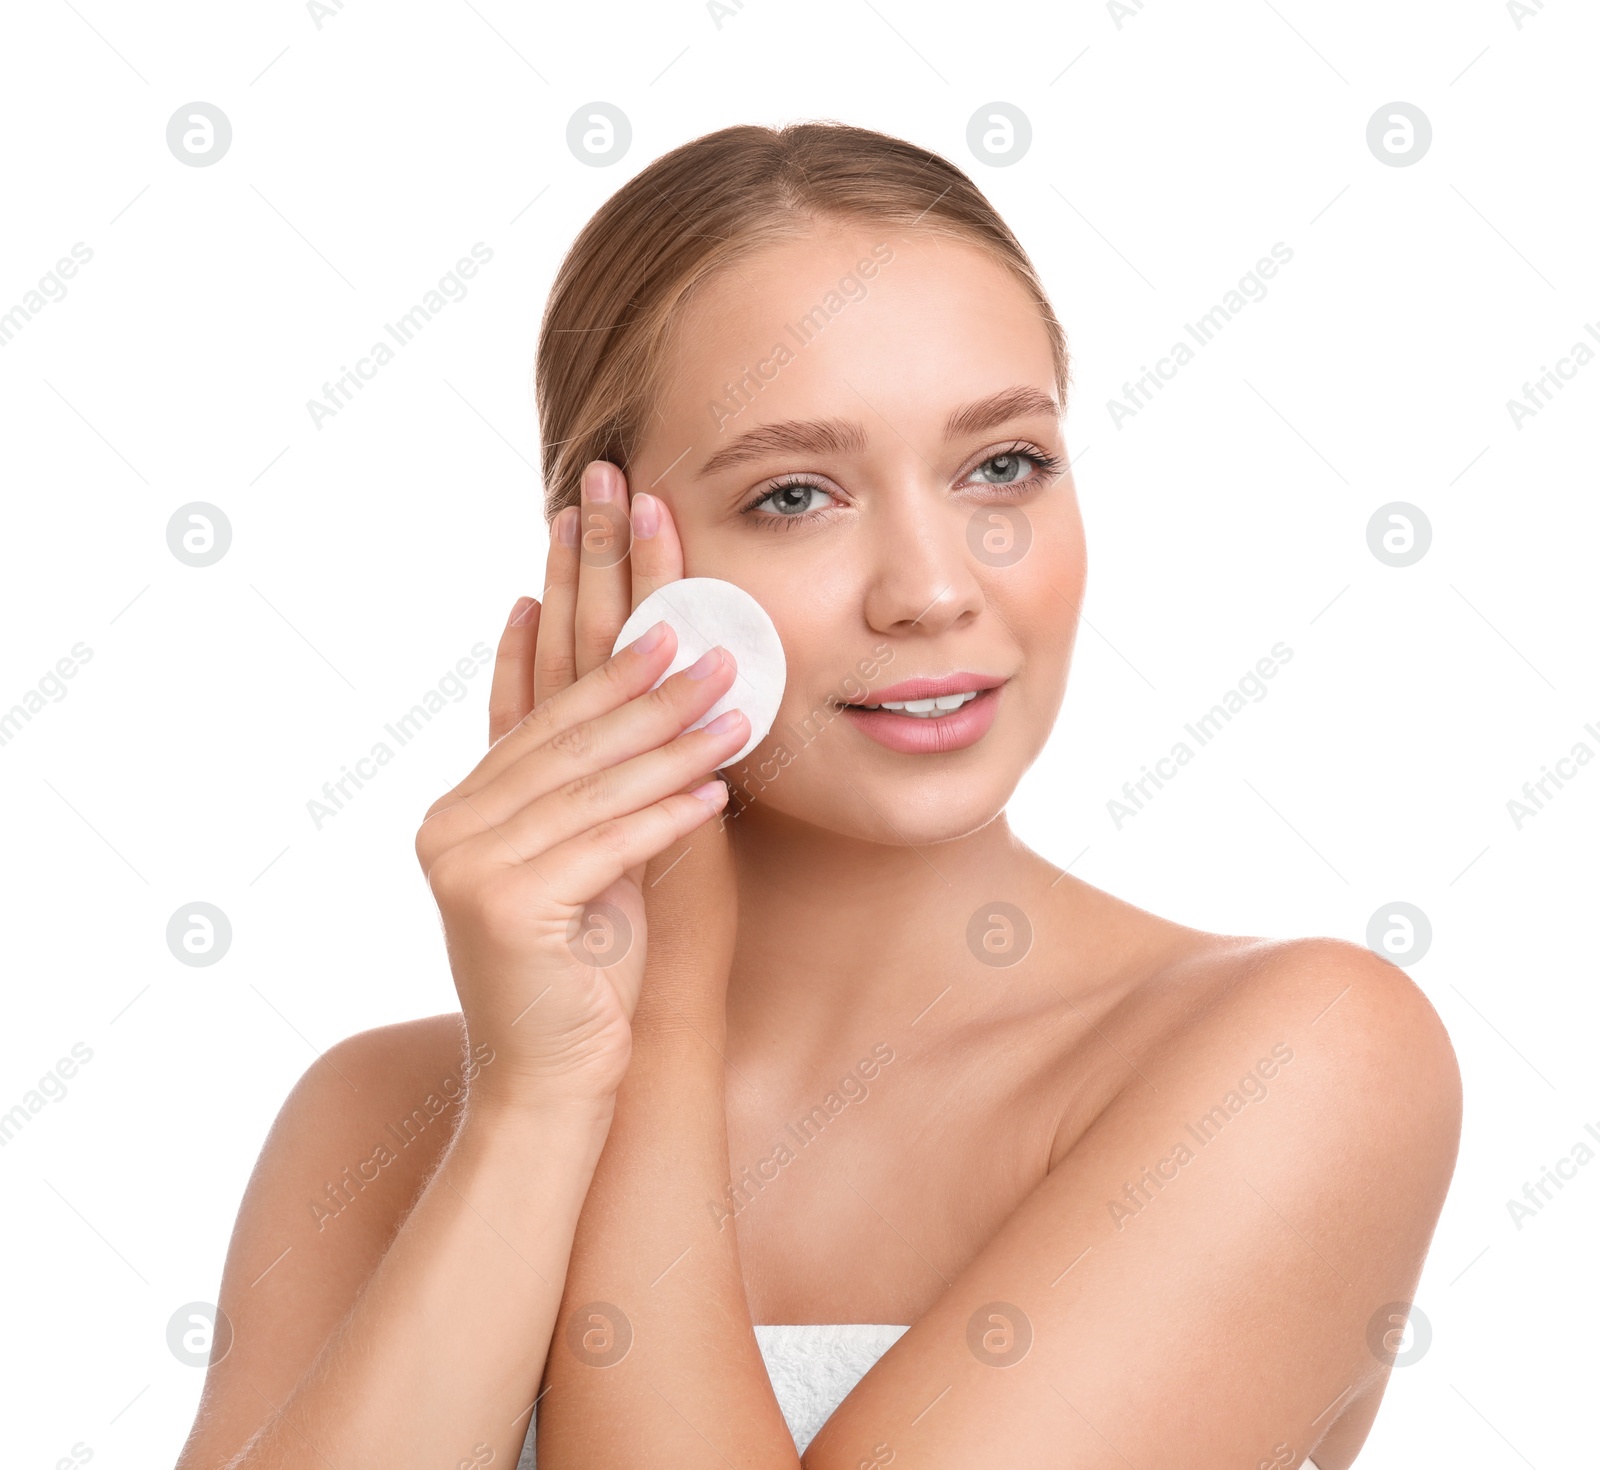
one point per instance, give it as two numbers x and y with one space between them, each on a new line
605 338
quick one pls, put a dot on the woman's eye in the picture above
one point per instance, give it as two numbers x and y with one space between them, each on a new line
793 500
1005 469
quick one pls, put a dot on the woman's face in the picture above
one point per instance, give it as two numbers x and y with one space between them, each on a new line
861 429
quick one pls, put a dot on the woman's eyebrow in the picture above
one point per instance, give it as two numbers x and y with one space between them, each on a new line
841 436
998 408
792 436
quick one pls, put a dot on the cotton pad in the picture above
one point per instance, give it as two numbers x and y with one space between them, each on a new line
706 611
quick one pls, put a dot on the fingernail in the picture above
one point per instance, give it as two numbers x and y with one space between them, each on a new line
723 723
650 637
646 515
597 482
521 612
567 526
706 665
712 793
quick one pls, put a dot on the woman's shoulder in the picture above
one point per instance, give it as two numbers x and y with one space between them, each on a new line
1337 999
1190 1010
363 1127
1310 1088
352 1144
387 1072
351 1147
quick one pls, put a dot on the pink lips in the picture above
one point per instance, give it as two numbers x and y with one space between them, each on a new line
925 688
912 736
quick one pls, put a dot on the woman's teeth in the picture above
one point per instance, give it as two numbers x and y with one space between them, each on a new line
925 709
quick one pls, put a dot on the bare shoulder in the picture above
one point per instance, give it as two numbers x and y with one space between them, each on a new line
374 1112
1375 1044
349 1151
1366 1042
1322 1062
1365 1048
382 1075
1258 1142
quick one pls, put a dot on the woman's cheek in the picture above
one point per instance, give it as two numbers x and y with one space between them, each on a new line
1053 574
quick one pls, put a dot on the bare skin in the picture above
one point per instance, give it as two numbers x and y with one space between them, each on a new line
1021 1145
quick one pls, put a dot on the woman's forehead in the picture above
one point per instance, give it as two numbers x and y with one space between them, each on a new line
824 329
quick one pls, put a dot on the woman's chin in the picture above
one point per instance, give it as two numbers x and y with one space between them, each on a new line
867 808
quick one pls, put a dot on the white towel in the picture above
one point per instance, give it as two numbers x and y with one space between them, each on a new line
813 1366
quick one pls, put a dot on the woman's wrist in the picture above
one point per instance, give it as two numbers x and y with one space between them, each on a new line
537 1110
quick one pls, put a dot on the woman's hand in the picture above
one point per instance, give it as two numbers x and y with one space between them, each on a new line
538 858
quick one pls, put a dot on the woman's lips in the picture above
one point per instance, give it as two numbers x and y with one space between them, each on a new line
926 687
913 736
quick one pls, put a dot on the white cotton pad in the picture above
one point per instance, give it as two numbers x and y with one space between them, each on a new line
706 611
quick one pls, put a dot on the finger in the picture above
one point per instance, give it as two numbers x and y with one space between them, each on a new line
585 753
603 605
598 802
553 668
655 557
511 691
592 861
657 554
632 672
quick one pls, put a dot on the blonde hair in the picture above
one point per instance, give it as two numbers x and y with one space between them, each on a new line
603 344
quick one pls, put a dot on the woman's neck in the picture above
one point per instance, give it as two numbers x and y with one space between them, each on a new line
839 937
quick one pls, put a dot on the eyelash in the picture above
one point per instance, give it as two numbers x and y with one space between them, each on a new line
1046 467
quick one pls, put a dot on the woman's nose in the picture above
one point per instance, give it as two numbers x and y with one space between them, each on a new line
923 575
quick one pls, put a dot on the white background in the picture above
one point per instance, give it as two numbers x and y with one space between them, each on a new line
1168 155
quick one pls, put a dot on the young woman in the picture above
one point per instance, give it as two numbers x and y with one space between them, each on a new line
818 1070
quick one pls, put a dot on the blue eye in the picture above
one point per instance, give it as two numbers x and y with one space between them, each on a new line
792 505
788 504
1008 467
793 499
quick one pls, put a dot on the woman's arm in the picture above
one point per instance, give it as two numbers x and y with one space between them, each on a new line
377 1335
1164 1296
429 1354
692 1389
654 1361
1208 1277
